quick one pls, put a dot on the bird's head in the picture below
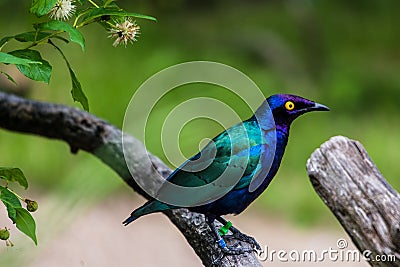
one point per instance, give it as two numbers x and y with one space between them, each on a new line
285 108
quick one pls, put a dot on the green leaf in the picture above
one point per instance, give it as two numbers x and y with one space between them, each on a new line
36 36
37 72
56 25
10 197
9 77
12 213
31 36
11 202
10 59
5 40
42 7
25 223
112 11
13 175
77 92
107 2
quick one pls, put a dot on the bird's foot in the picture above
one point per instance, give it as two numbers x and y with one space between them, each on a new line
236 249
245 238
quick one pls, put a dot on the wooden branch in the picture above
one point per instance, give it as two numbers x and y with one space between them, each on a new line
365 204
82 130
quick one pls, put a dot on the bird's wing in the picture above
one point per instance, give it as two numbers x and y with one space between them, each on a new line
254 167
261 160
239 148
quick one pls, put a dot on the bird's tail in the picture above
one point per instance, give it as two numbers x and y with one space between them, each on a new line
149 207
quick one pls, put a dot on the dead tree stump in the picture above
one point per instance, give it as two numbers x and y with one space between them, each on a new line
367 207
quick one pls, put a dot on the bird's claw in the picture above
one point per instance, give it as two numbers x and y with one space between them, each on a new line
231 250
236 250
245 238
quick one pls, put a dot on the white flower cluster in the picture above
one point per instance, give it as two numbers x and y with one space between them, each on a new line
124 32
62 10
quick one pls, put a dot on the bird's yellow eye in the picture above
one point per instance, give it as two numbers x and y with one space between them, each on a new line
289 105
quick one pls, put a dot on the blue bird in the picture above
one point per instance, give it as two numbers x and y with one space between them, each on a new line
252 142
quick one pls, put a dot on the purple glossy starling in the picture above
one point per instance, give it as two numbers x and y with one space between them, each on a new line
251 144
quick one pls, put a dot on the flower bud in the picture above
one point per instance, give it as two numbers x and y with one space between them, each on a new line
31 205
4 234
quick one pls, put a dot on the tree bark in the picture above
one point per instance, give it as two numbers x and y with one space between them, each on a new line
84 131
355 191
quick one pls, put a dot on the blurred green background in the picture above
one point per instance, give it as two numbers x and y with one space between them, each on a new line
344 54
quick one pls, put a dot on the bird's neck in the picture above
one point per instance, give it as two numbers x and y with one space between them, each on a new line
282 135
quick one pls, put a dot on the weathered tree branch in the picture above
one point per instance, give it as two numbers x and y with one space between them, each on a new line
82 130
368 208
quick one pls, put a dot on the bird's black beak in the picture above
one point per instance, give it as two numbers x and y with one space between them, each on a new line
313 107
319 107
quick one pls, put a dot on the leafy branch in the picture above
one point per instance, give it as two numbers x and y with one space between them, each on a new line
116 21
12 201
119 25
